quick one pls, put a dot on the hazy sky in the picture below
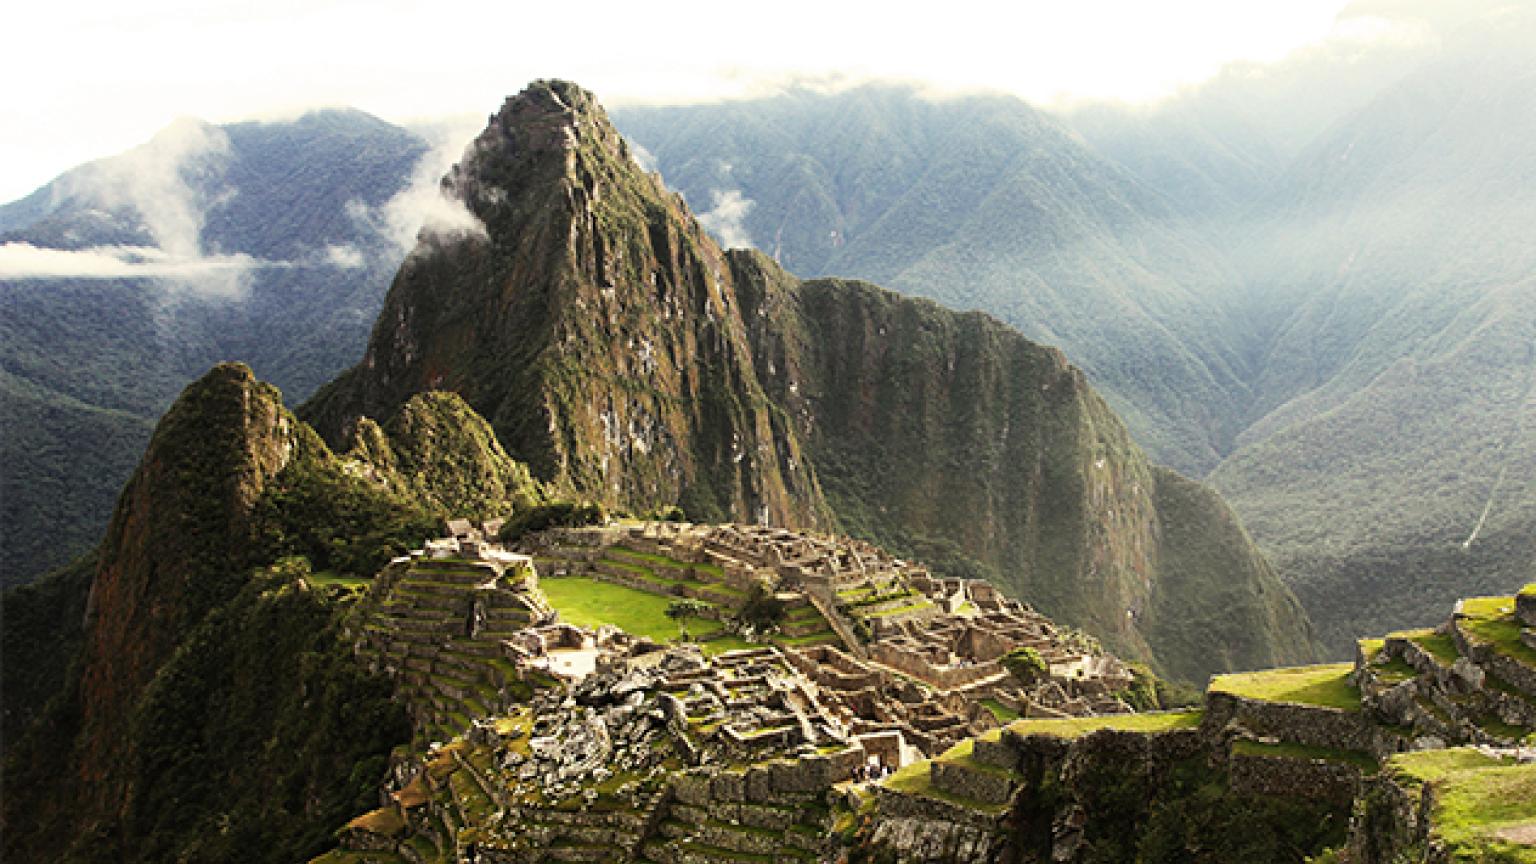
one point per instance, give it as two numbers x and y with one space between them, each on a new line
86 79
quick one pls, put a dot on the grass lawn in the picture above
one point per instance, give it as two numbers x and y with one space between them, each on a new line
1072 727
590 603
1492 620
1308 685
1439 646
1478 798
1395 671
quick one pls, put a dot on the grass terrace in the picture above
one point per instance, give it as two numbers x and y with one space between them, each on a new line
1325 686
1002 713
1364 761
917 779
1492 621
1440 646
711 571
329 577
1485 808
1074 727
1395 671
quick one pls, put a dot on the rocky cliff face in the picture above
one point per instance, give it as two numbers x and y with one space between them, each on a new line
626 358
953 438
593 323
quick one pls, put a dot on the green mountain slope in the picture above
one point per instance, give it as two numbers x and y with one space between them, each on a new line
626 359
206 704
1394 437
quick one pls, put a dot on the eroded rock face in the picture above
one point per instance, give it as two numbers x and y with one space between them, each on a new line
593 323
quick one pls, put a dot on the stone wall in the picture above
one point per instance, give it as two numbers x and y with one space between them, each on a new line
1316 778
1310 725
1525 606
1512 671
1390 822
928 831
970 782
942 677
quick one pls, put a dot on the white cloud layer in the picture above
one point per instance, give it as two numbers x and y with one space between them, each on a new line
135 66
421 211
215 275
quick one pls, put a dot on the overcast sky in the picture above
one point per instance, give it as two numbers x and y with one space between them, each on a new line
85 79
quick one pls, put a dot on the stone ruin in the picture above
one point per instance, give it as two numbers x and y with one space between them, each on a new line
890 647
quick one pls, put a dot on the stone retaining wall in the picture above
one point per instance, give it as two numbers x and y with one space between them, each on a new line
1294 723
1335 782
1525 608
1512 671
976 784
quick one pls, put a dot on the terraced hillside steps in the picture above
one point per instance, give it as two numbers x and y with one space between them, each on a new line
436 625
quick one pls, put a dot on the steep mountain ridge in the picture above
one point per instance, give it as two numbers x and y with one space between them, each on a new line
626 359
979 202
591 324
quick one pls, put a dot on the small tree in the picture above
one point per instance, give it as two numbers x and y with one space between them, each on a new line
1025 664
682 610
763 611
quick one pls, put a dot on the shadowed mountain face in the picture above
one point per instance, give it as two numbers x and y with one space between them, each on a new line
190 691
626 359
260 242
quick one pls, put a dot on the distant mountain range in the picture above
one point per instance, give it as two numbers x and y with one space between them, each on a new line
124 279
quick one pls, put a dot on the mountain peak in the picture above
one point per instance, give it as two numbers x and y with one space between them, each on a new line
538 135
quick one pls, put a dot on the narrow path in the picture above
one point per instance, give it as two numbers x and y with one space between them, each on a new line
1527 407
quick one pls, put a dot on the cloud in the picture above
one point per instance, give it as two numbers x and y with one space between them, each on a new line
643 157
170 181
214 275
345 256
422 211
727 217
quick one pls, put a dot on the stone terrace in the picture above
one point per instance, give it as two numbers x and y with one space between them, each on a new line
439 627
